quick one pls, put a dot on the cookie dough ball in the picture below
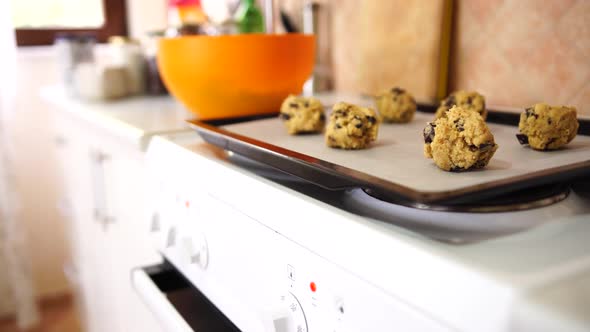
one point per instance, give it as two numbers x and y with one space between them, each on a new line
396 105
545 127
460 141
302 115
351 127
467 100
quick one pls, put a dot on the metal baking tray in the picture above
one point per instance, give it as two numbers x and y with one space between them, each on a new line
395 168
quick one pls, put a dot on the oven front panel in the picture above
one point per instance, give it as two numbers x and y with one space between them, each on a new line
263 281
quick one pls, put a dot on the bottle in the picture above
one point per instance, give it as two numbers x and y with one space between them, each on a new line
249 18
185 12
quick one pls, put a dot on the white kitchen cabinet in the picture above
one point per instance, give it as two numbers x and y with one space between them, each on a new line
103 176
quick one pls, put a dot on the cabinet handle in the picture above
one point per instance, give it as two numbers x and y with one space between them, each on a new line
60 141
105 221
101 216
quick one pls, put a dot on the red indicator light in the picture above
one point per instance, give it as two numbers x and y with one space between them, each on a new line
312 286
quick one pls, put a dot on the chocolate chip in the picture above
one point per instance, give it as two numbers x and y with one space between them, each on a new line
531 112
473 148
306 104
456 169
469 100
553 139
397 90
284 116
338 126
429 133
359 125
371 119
485 147
450 101
522 139
323 117
341 112
549 121
479 164
294 105
459 125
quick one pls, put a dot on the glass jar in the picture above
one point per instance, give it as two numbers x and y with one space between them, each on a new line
72 50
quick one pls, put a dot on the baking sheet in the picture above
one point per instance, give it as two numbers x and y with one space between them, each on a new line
395 162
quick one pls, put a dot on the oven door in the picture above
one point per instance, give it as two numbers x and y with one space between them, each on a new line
177 304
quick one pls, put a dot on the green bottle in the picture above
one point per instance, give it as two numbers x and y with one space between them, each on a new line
249 18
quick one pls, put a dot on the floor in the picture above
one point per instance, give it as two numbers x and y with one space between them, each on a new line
57 315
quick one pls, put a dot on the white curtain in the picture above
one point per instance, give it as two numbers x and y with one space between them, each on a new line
16 289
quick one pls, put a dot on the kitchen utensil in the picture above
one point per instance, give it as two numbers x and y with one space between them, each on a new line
237 75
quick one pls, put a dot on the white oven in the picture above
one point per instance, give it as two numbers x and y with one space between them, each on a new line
276 254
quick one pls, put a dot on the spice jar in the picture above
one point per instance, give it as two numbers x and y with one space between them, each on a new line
129 54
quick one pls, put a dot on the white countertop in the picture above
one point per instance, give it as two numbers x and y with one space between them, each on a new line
135 118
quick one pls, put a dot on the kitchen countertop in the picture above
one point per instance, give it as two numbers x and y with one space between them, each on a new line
136 118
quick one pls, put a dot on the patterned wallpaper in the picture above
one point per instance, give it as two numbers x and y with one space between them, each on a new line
518 52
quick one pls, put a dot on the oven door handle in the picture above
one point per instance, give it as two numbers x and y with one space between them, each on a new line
157 302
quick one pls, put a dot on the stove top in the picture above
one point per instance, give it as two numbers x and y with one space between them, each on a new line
466 223
513 264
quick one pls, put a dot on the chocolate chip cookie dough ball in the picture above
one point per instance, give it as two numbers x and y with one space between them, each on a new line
467 100
545 127
302 115
396 105
351 127
459 141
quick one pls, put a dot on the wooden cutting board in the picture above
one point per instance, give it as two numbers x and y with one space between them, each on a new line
376 45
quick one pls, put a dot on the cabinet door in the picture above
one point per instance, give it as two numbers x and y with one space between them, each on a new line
130 243
81 172
126 242
105 185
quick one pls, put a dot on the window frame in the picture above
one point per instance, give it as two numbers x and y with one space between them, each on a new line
115 24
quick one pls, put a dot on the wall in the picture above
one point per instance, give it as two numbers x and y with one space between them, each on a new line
145 15
34 160
518 52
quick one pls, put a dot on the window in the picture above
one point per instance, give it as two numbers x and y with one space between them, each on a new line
37 22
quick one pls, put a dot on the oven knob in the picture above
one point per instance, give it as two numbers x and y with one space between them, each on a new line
156 223
290 317
195 251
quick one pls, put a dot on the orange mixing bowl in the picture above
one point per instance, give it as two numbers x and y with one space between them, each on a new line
235 75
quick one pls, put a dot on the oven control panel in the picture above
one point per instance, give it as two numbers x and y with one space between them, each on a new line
263 281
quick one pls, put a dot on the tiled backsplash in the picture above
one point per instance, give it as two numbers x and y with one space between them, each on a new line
518 52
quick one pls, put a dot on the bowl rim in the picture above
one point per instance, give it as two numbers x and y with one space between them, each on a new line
275 36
